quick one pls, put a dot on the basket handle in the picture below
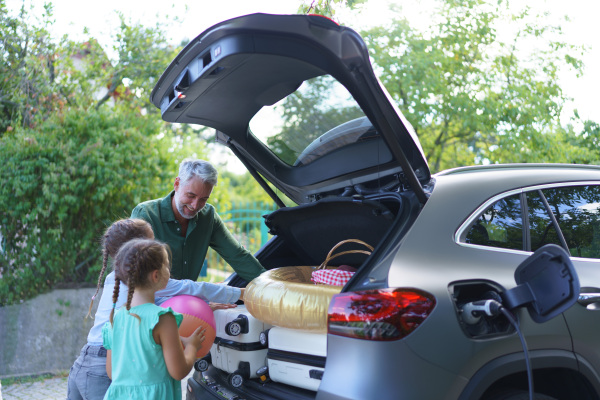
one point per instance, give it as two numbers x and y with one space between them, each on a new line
331 257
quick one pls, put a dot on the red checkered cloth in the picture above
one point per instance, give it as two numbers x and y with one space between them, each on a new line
334 277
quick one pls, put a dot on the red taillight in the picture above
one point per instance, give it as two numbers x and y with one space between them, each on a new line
385 314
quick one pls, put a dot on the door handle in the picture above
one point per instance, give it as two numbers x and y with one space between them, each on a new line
589 298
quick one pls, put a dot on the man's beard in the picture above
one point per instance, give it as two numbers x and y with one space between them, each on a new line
182 207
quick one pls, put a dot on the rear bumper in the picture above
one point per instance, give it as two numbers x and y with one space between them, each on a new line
212 384
196 390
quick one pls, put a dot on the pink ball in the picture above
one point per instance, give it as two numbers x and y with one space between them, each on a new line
196 313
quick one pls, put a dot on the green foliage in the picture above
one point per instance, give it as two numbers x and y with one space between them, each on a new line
63 184
40 77
29 88
143 54
244 188
81 145
588 143
326 7
470 94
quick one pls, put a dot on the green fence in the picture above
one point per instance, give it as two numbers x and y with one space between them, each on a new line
245 222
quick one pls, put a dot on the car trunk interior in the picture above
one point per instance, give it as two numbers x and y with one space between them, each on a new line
305 234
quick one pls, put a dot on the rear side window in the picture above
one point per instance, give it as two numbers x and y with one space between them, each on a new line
565 216
501 225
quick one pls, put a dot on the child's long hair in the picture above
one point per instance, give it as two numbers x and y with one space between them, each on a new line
115 235
133 263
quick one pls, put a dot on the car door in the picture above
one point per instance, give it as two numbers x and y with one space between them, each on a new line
577 212
566 214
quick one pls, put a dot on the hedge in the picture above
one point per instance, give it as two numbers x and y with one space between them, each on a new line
63 183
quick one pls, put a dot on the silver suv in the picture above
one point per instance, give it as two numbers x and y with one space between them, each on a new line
448 304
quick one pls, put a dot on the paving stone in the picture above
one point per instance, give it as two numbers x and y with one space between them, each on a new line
49 389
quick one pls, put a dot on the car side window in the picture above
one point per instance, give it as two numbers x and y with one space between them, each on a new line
542 230
577 210
500 225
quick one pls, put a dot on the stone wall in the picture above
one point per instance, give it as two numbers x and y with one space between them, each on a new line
45 334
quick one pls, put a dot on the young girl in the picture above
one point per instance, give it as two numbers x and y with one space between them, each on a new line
88 379
145 358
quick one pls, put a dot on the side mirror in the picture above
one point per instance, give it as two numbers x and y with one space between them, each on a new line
547 284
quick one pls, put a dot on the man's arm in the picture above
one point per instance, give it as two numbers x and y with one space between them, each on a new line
209 292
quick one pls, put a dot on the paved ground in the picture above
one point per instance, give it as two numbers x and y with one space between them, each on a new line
48 389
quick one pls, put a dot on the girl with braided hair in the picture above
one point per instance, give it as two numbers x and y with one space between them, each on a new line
88 379
145 357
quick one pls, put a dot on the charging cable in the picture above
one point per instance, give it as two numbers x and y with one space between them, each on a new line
473 311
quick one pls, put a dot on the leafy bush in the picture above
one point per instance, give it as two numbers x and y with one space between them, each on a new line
63 184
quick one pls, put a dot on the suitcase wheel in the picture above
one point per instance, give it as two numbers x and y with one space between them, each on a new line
235 379
233 328
263 338
202 364
237 326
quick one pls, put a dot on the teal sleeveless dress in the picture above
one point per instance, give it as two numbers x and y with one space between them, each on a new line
138 366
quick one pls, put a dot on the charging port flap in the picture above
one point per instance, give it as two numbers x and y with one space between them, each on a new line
547 284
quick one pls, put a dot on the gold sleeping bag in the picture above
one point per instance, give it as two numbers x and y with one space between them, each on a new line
287 297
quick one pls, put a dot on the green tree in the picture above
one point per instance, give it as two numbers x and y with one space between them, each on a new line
81 145
470 93
29 88
41 75
587 141
244 188
326 7
143 54
68 179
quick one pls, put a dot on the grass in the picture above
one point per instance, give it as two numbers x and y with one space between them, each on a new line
17 380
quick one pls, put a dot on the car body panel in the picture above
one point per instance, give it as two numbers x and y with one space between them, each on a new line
399 374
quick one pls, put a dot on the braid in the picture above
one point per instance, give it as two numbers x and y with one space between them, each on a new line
104 264
115 298
131 285
132 282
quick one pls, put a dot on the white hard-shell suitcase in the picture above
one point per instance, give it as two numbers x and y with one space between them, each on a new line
238 348
296 358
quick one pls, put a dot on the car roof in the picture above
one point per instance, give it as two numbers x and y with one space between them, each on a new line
537 170
473 185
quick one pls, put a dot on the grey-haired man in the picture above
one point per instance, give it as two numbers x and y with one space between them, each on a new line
190 225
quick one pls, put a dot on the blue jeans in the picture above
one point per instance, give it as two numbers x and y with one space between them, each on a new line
88 379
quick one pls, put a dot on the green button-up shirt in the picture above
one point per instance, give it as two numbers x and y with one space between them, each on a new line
204 230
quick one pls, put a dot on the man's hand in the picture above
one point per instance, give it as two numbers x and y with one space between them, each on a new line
220 306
